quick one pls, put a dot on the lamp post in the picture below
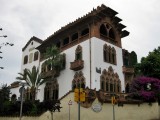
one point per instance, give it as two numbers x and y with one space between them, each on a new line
21 92
69 104
79 96
113 100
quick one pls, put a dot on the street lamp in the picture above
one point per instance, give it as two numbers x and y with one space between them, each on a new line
23 83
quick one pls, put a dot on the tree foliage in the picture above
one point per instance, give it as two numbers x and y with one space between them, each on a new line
132 59
150 65
30 108
145 88
4 93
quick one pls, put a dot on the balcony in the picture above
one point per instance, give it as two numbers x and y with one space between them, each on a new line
128 70
51 73
77 65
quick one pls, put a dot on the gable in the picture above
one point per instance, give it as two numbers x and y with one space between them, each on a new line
32 39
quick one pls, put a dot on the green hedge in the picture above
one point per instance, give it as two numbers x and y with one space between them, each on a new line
30 108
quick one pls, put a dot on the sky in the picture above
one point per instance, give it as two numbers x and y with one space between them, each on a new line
22 19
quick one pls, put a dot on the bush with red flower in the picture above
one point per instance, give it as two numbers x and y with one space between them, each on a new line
145 88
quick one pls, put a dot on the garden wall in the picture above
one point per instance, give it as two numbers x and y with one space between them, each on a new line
127 112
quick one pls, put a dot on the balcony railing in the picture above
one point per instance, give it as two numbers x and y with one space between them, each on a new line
77 65
50 73
128 70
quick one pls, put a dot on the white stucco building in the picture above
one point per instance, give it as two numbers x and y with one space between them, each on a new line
93 52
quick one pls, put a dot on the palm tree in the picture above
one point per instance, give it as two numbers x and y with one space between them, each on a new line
54 58
33 80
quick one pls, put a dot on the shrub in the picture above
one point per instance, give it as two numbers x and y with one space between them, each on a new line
145 88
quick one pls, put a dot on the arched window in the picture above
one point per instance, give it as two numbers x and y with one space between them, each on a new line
25 59
74 36
36 56
51 90
109 81
113 56
58 44
111 33
111 85
109 54
102 85
107 33
85 32
46 93
66 41
78 81
103 30
119 86
105 53
13 98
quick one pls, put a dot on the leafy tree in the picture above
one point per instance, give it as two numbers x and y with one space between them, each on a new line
132 59
4 93
150 65
145 88
33 79
4 44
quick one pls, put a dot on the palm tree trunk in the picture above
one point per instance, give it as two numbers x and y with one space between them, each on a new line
33 93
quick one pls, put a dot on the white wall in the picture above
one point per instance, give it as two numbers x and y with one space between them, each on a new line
67 75
27 51
15 91
97 61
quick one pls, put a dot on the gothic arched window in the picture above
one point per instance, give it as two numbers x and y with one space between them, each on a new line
111 33
36 56
103 30
78 81
107 32
113 56
109 54
51 90
105 53
85 31
109 81
25 59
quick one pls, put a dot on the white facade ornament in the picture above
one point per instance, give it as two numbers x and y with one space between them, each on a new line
96 107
